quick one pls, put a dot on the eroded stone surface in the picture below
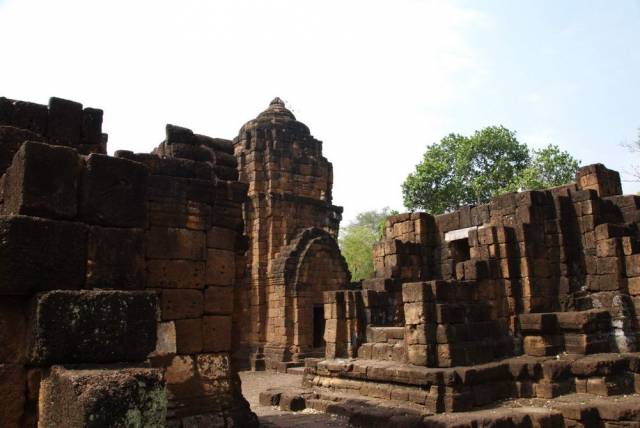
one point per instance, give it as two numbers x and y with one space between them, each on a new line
85 397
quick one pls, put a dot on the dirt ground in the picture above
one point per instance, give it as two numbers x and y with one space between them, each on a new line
255 382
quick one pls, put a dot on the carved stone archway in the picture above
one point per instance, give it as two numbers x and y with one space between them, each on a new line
309 266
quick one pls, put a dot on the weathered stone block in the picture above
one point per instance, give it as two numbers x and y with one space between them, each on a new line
25 115
419 355
189 215
216 333
93 398
175 274
221 238
115 258
169 243
221 268
188 336
10 141
12 394
632 264
218 300
65 122
12 330
609 265
414 313
42 181
92 326
38 255
270 397
180 375
92 126
291 402
181 304
609 247
212 367
113 192
166 339
608 230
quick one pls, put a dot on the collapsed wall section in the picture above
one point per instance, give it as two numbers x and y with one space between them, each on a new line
532 295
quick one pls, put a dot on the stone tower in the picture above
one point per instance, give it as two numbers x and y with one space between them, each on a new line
292 225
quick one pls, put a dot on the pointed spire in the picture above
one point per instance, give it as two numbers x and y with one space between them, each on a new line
277 109
277 101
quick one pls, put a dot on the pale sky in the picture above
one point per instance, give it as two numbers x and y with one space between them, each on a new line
376 81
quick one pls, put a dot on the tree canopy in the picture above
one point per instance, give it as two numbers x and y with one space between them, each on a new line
357 239
549 167
462 170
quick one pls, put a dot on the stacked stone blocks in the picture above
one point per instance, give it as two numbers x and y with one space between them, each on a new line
117 275
532 295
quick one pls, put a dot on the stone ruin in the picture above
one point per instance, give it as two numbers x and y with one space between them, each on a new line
135 286
117 275
522 312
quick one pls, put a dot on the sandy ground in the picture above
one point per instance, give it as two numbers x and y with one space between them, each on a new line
255 382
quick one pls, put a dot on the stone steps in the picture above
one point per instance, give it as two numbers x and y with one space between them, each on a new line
466 388
573 410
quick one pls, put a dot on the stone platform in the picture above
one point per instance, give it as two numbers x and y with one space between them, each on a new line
525 391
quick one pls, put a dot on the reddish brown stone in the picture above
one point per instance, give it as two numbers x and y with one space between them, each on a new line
181 304
42 181
113 192
39 254
169 243
13 392
13 330
216 333
175 274
189 336
221 268
115 258
218 300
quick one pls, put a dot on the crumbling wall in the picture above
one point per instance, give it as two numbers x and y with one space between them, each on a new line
61 122
117 276
532 295
563 250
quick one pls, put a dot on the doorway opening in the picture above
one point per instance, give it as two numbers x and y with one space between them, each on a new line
318 326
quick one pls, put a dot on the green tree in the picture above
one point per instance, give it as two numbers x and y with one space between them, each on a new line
549 167
463 170
357 239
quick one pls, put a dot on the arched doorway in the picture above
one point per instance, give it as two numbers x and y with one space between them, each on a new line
312 265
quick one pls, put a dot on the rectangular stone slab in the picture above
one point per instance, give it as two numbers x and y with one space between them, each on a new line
113 192
92 326
114 396
42 181
40 255
115 258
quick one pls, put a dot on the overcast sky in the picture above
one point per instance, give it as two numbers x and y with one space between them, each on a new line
376 81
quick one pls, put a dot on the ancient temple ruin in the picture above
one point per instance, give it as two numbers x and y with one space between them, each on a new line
520 312
135 286
292 256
